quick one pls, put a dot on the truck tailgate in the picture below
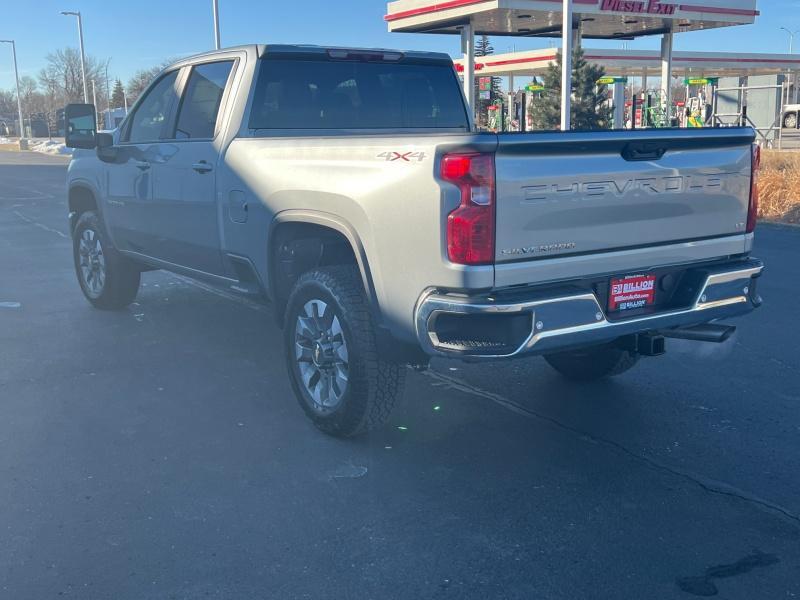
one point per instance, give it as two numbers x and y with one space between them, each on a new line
562 194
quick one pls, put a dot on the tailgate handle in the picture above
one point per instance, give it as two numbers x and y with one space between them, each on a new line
643 152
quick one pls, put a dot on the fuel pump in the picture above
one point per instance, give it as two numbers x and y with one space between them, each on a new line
698 107
532 89
618 98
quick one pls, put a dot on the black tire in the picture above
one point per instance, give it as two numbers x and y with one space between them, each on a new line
119 283
790 121
590 364
373 384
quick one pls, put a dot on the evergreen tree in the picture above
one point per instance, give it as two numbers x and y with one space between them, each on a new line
118 95
590 109
483 47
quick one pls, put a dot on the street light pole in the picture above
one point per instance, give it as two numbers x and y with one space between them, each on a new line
83 54
16 77
94 101
791 38
216 24
791 51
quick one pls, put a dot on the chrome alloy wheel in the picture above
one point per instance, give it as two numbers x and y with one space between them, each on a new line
321 354
92 262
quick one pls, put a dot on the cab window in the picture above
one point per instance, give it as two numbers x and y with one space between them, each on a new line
150 117
197 117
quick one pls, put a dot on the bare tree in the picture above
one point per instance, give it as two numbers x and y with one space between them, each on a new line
8 104
62 75
29 93
142 78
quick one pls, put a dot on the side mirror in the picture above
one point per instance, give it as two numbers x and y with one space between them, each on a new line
104 140
81 126
106 150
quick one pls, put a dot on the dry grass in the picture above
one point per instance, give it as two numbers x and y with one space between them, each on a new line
779 186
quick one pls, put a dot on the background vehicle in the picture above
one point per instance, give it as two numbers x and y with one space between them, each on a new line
790 115
348 188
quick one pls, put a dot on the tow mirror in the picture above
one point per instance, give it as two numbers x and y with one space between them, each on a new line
81 126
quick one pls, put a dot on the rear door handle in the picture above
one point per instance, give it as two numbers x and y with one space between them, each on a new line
142 165
202 167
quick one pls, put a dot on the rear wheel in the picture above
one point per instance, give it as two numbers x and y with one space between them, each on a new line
340 380
108 280
790 121
593 363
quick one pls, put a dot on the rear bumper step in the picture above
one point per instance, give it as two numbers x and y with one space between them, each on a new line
542 322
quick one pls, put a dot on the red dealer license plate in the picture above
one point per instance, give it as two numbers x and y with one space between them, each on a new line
632 291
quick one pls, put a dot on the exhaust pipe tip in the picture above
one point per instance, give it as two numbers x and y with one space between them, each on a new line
709 332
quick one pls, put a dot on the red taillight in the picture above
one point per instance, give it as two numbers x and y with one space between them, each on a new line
752 209
470 227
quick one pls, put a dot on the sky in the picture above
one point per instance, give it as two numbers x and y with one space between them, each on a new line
137 34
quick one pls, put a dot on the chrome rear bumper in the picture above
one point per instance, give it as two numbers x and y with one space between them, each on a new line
541 322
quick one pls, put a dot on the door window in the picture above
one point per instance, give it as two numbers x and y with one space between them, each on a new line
197 117
147 123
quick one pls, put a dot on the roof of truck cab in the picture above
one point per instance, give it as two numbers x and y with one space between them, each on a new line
322 51
310 50
257 48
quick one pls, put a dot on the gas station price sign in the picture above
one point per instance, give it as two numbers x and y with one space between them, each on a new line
701 80
611 80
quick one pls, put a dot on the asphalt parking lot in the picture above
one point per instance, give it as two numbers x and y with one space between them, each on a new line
158 453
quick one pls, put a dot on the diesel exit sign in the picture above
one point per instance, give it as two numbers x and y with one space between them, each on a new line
650 7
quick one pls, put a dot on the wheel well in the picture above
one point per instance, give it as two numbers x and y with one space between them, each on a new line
299 247
81 199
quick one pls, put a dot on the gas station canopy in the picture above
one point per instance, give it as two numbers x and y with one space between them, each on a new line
637 62
601 19
571 20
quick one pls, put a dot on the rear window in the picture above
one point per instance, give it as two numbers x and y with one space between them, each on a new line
320 94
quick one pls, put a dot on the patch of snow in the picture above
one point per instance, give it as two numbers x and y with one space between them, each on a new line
4 140
49 147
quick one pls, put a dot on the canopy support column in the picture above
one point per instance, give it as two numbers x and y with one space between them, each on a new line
468 49
566 68
666 72
619 104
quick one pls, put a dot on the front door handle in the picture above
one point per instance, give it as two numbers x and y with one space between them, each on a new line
202 167
142 165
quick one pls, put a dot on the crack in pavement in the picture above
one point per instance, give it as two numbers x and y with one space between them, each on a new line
709 485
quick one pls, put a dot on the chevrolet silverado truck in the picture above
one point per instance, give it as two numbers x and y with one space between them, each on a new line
350 189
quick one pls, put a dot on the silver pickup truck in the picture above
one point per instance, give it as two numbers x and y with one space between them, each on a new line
350 190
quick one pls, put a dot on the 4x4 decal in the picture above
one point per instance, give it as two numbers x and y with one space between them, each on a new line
403 156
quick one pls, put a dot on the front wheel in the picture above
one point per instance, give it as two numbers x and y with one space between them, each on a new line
593 363
107 279
340 380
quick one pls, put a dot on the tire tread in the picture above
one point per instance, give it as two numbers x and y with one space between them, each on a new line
122 277
377 383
